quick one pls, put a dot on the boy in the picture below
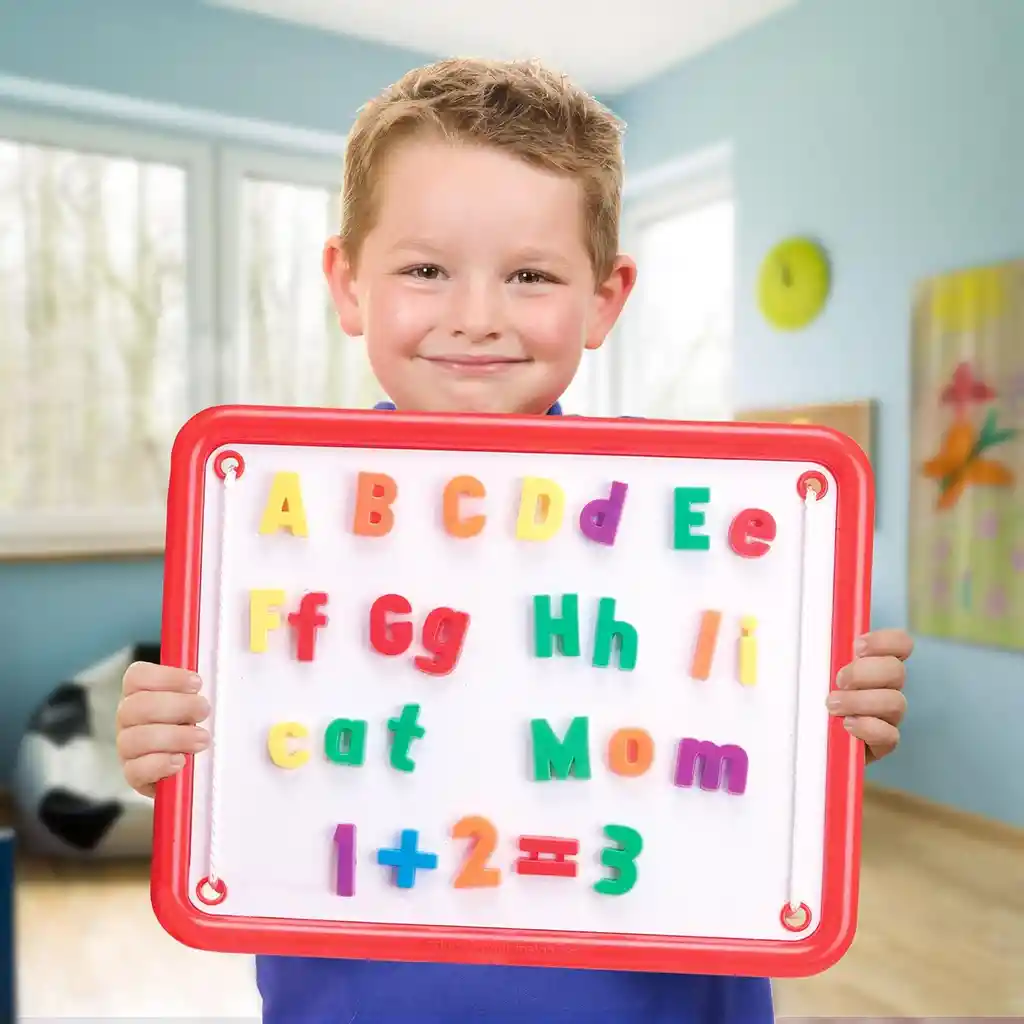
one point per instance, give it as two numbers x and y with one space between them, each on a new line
478 259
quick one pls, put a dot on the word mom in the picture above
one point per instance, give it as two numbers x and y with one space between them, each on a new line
630 753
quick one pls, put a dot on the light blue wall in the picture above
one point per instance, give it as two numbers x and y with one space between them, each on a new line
890 128
894 131
193 55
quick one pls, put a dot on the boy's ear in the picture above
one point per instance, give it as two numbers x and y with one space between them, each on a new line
341 283
609 298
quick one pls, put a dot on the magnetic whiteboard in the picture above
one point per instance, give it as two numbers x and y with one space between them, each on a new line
499 690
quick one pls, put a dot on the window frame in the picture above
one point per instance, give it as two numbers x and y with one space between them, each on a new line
695 180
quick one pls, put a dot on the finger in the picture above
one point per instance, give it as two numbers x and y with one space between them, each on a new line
142 675
148 707
879 737
141 740
888 705
873 673
143 773
894 642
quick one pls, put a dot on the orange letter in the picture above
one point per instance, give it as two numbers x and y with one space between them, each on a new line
375 494
630 752
705 649
456 488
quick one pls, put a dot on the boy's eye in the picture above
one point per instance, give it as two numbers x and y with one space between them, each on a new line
425 272
530 277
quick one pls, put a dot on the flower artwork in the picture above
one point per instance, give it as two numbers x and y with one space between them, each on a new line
966 530
961 460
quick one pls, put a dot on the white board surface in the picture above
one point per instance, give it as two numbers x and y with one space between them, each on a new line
713 864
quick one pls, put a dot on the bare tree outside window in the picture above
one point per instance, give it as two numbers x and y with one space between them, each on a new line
93 329
292 350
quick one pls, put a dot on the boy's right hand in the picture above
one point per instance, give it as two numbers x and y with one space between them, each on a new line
158 723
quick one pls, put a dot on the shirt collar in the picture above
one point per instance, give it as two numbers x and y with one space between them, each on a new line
555 410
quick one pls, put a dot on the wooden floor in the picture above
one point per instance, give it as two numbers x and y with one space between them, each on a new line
941 933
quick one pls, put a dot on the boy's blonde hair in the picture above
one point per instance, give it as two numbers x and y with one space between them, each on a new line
517 106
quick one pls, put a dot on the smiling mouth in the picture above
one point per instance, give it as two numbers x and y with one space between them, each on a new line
475 364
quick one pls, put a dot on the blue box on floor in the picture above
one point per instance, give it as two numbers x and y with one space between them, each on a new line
7 973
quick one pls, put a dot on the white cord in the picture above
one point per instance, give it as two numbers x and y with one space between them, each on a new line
219 673
803 669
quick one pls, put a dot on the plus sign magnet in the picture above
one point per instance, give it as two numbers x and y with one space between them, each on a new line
407 859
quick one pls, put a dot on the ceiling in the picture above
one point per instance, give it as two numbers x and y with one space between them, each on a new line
587 39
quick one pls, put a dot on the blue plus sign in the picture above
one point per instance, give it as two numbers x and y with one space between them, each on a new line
407 860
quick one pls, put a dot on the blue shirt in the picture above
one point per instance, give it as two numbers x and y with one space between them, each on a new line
321 991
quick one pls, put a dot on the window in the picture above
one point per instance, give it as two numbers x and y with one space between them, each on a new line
670 356
288 347
94 332
100 305
142 279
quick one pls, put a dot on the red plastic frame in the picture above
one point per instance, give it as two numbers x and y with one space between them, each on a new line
831 934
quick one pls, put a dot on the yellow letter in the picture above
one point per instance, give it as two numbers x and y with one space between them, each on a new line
546 497
277 745
262 617
748 651
284 509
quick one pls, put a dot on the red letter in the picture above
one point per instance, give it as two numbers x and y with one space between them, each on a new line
375 493
751 533
539 849
305 622
390 638
443 632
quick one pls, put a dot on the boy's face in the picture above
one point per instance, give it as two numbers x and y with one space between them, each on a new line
474 290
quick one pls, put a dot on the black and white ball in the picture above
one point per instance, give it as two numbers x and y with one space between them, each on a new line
69 791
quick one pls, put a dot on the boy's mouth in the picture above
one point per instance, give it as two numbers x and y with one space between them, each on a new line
478 364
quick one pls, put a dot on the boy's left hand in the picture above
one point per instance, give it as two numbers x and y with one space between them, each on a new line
870 695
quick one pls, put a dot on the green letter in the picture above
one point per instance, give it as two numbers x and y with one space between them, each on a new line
686 518
622 862
546 627
405 730
554 758
334 737
607 630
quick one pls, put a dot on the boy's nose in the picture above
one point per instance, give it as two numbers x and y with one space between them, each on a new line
477 313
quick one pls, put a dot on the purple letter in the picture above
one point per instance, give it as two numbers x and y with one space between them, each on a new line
599 519
713 759
345 878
